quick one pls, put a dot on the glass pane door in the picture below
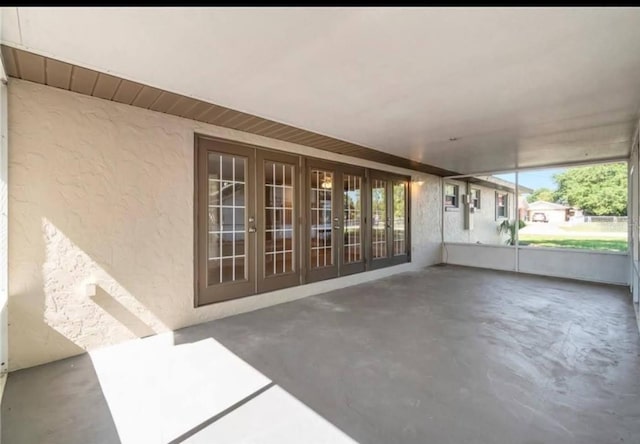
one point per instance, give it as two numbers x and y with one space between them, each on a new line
227 213
278 218
352 257
352 209
278 209
399 218
225 209
390 221
379 218
321 219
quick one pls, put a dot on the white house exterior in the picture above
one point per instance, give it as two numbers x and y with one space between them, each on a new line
477 220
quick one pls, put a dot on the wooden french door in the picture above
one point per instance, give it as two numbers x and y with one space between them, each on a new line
246 220
225 218
278 221
335 218
389 220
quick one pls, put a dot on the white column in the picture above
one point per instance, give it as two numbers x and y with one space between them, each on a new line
4 226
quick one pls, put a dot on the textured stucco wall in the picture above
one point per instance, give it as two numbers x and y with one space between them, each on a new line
102 192
485 225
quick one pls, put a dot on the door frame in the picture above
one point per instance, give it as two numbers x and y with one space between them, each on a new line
332 271
391 259
355 267
275 282
339 268
205 294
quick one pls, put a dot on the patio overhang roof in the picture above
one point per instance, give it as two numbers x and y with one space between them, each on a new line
47 71
462 90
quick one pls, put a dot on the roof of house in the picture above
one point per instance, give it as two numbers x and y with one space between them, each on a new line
499 184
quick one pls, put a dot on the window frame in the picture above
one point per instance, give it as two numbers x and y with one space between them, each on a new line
505 206
474 198
456 195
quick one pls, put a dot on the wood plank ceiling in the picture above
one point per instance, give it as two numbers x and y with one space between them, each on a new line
39 69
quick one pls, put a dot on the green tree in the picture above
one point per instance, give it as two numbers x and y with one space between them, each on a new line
599 190
544 194
398 200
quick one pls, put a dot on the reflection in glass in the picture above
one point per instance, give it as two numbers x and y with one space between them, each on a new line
352 209
379 219
278 216
226 212
399 212
321 219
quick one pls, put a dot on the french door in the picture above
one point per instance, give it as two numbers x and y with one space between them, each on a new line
389 220
247 229
252 206
335 220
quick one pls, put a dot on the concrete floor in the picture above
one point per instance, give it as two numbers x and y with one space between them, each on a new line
446 355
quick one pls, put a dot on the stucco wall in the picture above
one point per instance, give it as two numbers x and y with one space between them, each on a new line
495 257
593 266
485 225
102 192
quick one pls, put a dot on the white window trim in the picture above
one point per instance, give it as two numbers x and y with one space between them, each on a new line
457 196
479 207
506 205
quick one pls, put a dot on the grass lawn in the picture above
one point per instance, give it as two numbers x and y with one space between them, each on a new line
573 242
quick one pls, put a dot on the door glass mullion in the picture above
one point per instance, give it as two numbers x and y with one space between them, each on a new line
352 214
379 218
399 218
279 207
322 213
226 209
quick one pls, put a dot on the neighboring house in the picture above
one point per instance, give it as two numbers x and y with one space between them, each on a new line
553 212
475 219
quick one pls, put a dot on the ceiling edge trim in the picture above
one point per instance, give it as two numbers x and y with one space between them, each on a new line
52 72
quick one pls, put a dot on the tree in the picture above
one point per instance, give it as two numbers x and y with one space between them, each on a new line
544 194
599 190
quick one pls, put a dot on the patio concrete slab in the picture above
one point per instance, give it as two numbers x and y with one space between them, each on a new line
446 355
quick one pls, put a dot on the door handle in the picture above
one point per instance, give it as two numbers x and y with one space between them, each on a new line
337 227
252 229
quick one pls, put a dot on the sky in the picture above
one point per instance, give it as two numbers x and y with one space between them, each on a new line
534 179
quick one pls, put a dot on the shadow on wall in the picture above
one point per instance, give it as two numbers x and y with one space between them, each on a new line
121 313
113 315
98 193
68 321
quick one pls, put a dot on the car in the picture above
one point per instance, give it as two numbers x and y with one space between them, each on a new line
539 217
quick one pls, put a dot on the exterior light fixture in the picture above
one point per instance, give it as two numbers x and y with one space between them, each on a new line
326 183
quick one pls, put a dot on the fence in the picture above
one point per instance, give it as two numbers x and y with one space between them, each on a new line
605 219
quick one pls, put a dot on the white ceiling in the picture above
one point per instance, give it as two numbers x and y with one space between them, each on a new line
518 87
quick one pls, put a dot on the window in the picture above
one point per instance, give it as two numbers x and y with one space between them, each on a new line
451 195
475 198
501 205
267 220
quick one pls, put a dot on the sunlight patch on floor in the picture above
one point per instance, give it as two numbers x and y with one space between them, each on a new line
157 392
